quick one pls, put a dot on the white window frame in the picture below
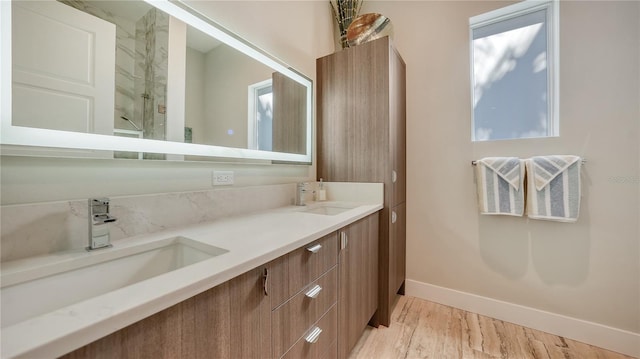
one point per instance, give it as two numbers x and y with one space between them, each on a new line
252 125
552 8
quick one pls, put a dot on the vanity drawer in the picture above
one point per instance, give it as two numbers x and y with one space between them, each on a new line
325 346
294 271
293 318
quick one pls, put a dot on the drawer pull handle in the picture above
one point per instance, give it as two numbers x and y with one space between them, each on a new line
394 176
344 240
315 249
394 217
265 281
313 336
313 292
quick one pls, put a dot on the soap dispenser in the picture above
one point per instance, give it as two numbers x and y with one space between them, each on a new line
322 193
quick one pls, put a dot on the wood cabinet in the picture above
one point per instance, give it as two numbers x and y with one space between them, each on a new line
231 320
362 138
358 298
327 287
228 321
303 290
397 235
290 273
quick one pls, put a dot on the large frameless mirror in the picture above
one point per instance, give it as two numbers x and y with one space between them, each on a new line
144 80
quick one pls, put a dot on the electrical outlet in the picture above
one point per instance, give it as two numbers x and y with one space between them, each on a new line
222 178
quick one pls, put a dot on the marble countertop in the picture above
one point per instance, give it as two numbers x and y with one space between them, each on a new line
251 240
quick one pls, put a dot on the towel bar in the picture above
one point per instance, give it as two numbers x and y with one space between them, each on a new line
474 162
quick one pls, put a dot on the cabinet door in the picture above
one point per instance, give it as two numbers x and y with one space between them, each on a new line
397 249
397 127
353 114
358 281
334 113
231 320
158 336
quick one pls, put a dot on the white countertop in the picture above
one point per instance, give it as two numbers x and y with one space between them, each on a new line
252 240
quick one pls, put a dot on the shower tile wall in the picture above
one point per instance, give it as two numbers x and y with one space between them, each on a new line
151 69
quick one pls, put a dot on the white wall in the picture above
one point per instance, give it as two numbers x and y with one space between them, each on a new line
298 32
589 270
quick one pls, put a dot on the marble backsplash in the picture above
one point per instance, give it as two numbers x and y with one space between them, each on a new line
44 228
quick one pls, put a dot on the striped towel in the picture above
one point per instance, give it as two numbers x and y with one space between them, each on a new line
500 185
553 187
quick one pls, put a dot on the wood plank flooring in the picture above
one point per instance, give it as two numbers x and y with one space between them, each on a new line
423 329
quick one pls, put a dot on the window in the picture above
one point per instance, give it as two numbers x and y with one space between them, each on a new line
514 80
260 125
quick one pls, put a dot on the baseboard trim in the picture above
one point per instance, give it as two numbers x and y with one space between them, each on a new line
603 336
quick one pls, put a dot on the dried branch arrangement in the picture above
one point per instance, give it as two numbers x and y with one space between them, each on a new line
344 11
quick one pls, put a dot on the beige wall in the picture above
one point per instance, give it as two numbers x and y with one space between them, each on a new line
588 270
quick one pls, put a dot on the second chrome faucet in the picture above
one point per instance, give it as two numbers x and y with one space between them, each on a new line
301 190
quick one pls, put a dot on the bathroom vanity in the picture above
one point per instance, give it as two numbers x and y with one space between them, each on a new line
295 282
313 302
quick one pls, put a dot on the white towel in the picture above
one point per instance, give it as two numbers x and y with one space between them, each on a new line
500 185
553 187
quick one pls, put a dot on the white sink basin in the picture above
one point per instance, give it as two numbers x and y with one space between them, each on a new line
327 209
44 289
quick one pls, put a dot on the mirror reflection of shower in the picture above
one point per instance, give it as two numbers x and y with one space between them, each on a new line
142 41
150 74
132 123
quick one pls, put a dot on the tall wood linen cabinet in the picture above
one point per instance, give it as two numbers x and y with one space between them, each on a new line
361 121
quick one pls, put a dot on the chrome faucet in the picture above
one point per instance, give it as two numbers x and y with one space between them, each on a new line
301 189
99 219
